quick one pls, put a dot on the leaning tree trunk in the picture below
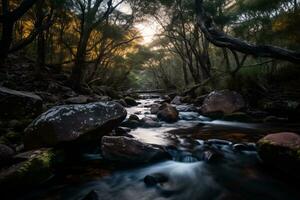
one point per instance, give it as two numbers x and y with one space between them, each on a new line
220 39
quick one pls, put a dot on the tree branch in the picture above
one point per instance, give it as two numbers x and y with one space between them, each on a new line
221 39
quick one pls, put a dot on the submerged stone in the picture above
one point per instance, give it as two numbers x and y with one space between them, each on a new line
130 150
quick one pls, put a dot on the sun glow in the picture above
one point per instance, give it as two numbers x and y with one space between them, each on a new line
148 30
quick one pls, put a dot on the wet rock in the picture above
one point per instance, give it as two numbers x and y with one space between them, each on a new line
18 105
129 150
134 117
281 151
168 113
154 108
130 101
122 102
131 124
6 154
211 156
176 100
244 147
154 179
105 98
81 99
225 101
33 168
122 131
218 142
149 123
166 99
72 122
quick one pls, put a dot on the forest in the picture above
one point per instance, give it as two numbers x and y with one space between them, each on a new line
161 99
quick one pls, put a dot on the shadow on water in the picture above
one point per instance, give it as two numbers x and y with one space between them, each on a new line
237 174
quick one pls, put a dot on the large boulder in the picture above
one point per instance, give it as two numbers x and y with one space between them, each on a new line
168 113
71 122
281 151
225 101
130 150
17 105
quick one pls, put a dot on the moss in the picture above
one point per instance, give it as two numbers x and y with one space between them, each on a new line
31 172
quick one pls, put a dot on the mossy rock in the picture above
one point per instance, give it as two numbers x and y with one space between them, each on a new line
34 168
238 117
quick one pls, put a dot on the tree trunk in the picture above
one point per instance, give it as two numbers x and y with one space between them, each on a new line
77 76
40 60
221 39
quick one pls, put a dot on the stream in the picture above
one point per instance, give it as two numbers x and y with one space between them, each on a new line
238 174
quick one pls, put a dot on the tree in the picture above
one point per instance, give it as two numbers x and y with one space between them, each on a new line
91 15
220 39
8 20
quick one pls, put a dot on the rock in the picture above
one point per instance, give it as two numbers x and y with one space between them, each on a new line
105 98
71 122
176 100
122 131
211 156
154 179
166 98
131 124
225 101
134 117
149 123
130 150
130 101
281 151
168 113
244 147
122 102
6 154
81 99
18 105
154 108
34 168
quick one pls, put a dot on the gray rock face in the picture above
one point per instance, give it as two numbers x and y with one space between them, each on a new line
17 104
70 122
281 151
124 149
225 101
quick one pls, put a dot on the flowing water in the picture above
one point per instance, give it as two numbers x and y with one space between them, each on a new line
238 174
